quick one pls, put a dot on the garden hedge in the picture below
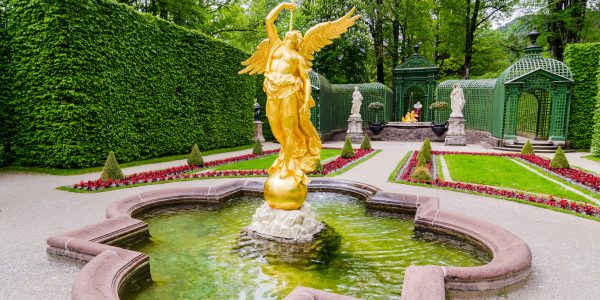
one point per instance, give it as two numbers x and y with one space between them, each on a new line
582 59
596 132
86 77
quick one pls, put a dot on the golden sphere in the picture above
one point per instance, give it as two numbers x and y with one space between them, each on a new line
284 193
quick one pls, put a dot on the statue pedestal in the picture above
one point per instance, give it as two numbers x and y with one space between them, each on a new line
355 131
291 226
258 132
456 132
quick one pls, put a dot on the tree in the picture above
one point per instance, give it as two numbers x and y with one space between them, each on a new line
565 24
477 13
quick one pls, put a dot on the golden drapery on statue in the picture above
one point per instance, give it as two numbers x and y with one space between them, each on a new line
286 65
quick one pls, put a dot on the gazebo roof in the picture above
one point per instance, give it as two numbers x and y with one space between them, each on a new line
533 60
416 61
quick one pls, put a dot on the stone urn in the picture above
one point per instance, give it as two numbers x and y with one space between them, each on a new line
376 128
439 129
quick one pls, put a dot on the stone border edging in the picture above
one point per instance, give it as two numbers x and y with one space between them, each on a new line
110 266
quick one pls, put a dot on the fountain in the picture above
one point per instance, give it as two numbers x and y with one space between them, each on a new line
357 241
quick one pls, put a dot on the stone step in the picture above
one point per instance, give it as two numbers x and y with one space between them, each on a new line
520 146
534 149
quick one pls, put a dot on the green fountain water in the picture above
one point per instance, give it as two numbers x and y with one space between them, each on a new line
200 254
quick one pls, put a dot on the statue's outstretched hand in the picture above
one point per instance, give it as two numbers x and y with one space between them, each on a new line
289 5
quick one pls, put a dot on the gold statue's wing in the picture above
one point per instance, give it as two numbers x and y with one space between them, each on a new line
257 63
321 35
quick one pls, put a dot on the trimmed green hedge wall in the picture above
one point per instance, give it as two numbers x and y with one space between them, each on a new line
596 134
582 59
92 76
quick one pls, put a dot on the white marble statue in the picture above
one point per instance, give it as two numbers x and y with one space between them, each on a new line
457 101
356 102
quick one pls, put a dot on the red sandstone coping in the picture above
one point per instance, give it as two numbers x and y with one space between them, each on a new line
110 266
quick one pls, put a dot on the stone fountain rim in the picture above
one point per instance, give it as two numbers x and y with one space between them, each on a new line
109 267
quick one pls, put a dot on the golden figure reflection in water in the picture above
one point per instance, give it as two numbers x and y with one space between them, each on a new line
286 65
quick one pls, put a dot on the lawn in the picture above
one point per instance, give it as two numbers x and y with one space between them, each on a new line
594 158
265 162
502 172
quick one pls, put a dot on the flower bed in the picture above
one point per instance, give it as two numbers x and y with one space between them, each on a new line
340 163
488 190
577 176
184 172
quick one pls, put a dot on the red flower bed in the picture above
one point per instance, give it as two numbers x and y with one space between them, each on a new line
174 173
586 179
181 172
340 162
488 190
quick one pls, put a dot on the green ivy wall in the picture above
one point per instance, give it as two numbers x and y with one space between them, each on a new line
86 77
582 59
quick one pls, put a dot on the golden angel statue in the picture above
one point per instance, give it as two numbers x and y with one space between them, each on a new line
286 65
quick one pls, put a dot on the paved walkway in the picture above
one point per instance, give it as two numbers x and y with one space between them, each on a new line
566 263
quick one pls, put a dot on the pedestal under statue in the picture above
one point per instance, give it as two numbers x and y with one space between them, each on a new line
355 121
456 123
286 64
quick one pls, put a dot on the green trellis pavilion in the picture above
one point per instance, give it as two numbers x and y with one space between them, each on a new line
531 98
414 80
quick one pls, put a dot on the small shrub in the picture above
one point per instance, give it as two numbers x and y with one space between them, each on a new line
421 174
426 150
319 168
111 169
439 105
376 107
421 161
347 151
258 150
560 160
527 148
195 157
366 143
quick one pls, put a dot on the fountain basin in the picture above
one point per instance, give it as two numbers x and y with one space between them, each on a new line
110 266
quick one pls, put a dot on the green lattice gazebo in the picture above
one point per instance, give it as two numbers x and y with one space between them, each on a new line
414 80
531 98
334 102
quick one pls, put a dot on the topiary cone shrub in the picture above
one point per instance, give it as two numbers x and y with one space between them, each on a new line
195 157
319 168
421 174
426 150
560 160
366 143
527 148
347 151
258 150
421 161
111 169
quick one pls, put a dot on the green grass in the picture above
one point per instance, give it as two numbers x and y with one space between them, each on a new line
265 162
558 209
593 158
502 172
67 172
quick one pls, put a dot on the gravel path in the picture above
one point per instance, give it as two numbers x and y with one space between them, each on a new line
565 248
